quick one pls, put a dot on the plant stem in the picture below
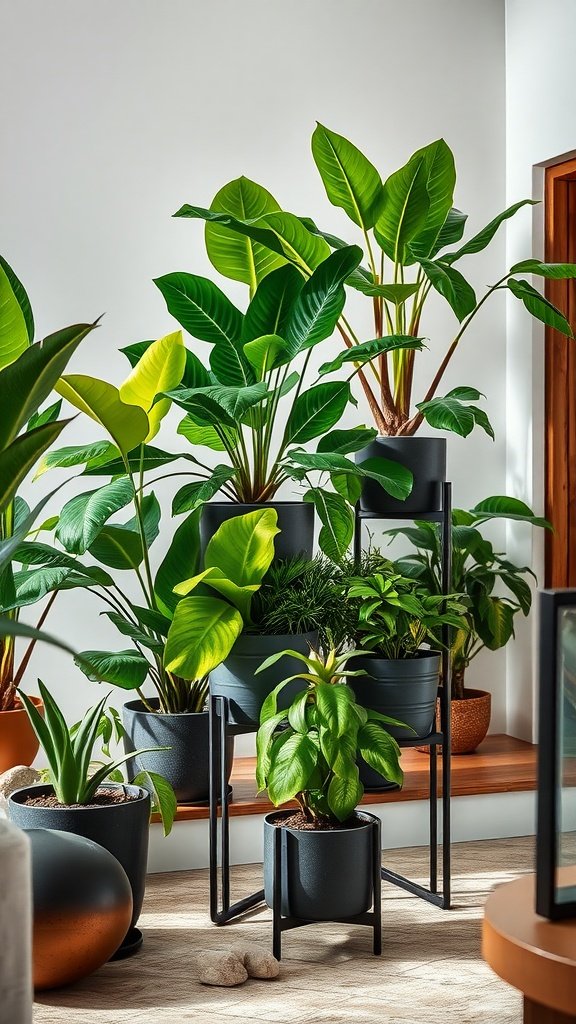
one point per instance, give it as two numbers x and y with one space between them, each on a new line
28 652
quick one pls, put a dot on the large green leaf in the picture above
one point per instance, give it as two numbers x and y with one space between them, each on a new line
344 793
350 180
299 245
496 627
181 561
239 596
484 237
396 293
233 402
237 256
448 414
450 283
195 374
83 516
159 369
380 751
404 210
334 708
28 381
265 354
120 545
551 271
202 634
243 547
317 309
539 307
95 452
337 520
22 297
440 183
197 433
316 411
126 669
127 424
291 768
192 496
144 458
500 506
346 441
271 304
366 351
451 230
14 334
394 478
19 457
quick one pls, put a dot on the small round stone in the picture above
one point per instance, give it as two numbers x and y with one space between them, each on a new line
225 969
261 964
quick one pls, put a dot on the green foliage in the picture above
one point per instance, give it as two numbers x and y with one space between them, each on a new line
309 752
300 595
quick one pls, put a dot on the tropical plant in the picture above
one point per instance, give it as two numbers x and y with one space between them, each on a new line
300 595
411 233
70 751
395 614
255 403
309 752
497 588
28 373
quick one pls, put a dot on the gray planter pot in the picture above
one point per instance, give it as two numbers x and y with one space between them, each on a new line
424 456
185 765
295 521
122 829
405 689
246 691
326 875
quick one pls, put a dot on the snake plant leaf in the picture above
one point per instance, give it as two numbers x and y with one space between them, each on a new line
27 382
234 255
202 634
243 547
450 283
440 183
316 411
84 515
78 455
181 561
317 309
350 180
14 330
337 520
159 369
551 271
127 425
271 303
19 457
126 669
479 241
265 354
540 307
404 211
192 496
366 351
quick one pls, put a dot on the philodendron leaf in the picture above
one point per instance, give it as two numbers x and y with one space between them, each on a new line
243 547
369 350
202 634
234 255
14 334
551 271
317 309
337 520
291 768
540 307
83 516
350 180
181 561
126 669
450 283
404 211
334 708
127 425
316 411
20 457
159 369
448 414
345 793
192 496
484 237
271 304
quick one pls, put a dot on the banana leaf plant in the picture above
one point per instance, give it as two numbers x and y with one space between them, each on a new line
411 234
251 398
28 373
497 589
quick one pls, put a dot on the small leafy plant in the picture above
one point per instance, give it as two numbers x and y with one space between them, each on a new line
309 752
395 614
70 753
300 595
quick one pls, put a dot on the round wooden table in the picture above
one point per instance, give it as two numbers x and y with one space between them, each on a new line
535 955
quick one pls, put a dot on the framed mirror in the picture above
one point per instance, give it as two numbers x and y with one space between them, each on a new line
556 829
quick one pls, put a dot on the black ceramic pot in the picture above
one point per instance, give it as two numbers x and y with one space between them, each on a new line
185 765
246 691
405 689
326 875
372 781
295 521
122 829
424 456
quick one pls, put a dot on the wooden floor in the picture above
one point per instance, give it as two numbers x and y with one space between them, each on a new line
501 765
431 971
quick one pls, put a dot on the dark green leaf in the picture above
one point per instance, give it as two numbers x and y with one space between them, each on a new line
539 307
350 180
83 516
317 309
181 562
316 411
369 350
337 520
21 455
452 286
191 496
484 237
346 441
404 210
271 304
126 669
552 271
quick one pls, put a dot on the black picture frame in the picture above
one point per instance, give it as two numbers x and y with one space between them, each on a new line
551 603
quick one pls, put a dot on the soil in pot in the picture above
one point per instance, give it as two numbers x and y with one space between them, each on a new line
186 764
103 798
18 741
295 522
298 821
425 457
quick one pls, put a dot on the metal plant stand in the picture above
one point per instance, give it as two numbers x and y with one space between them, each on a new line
436 739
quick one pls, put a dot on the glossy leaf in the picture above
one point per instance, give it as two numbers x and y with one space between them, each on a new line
448 414
48 415
84 515
316 411
181 561
317 309
202 634
539 307
451 230
14 335
350 180
159 369
346 441
500 506
366 351
440 183
126 669
198 434
265 354
127 424
404 211
21 296
20 457
479 241
291 768
450 283
344 793
551 271
77 455
271 304
337 520
243 547
146 458
396 293
234 255
380 751
192 496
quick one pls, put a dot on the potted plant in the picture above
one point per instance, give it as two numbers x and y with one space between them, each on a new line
395 616
79 797
257 406
308 754
28 373
411 234
297 606
497 590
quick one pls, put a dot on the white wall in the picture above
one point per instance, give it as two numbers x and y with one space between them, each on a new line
541 129
115 112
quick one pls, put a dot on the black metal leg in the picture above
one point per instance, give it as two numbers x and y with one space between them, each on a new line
377 885
434 818
357 540
446 701
277 896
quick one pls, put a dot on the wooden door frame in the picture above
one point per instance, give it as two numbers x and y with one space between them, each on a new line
560 380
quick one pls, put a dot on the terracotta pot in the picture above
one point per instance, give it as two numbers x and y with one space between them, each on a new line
470 721
18 742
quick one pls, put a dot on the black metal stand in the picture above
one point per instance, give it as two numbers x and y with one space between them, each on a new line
436 739
372 918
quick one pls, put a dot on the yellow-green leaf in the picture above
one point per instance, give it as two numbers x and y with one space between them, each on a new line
127 425
159 369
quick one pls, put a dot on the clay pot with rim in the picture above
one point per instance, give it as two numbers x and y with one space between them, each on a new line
18 741
469 721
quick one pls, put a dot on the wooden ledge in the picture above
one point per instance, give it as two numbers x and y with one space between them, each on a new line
501 765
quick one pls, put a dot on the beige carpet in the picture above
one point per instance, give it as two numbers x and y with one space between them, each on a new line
430 972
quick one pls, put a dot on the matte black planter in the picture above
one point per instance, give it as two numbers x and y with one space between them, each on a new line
326 875
186 764
236 677
372 781
424 456
405 689
122 829
295 521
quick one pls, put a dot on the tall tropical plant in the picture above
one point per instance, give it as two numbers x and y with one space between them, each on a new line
411 234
